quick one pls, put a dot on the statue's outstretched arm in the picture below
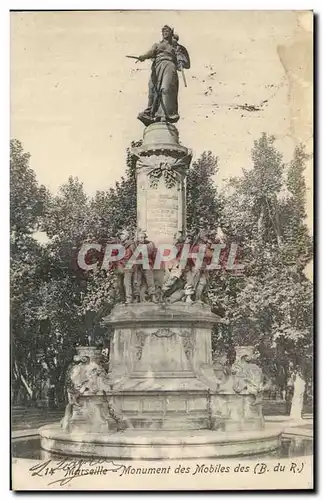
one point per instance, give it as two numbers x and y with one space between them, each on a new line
150 54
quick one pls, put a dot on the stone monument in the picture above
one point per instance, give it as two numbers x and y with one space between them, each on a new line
163 396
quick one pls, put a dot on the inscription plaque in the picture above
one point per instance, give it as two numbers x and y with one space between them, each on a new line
162 213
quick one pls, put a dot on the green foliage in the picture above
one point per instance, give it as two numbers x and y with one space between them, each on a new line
27 199
270 307
204 205
116 208
293 211
251 210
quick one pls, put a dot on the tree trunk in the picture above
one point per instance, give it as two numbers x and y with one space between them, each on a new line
298 398
21 378
275 222
260 222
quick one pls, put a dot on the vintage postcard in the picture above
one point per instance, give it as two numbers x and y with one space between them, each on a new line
161 186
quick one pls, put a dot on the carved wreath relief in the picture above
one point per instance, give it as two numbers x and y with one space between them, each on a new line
186 335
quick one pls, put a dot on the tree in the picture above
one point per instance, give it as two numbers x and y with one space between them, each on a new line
116 208
203 203
296 234
27 200
271 306
67 222
56 304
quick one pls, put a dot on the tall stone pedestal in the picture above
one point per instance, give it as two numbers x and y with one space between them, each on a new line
161 169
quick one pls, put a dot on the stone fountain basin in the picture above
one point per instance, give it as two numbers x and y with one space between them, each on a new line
143 444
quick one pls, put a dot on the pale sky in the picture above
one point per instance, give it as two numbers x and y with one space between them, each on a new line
75 97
